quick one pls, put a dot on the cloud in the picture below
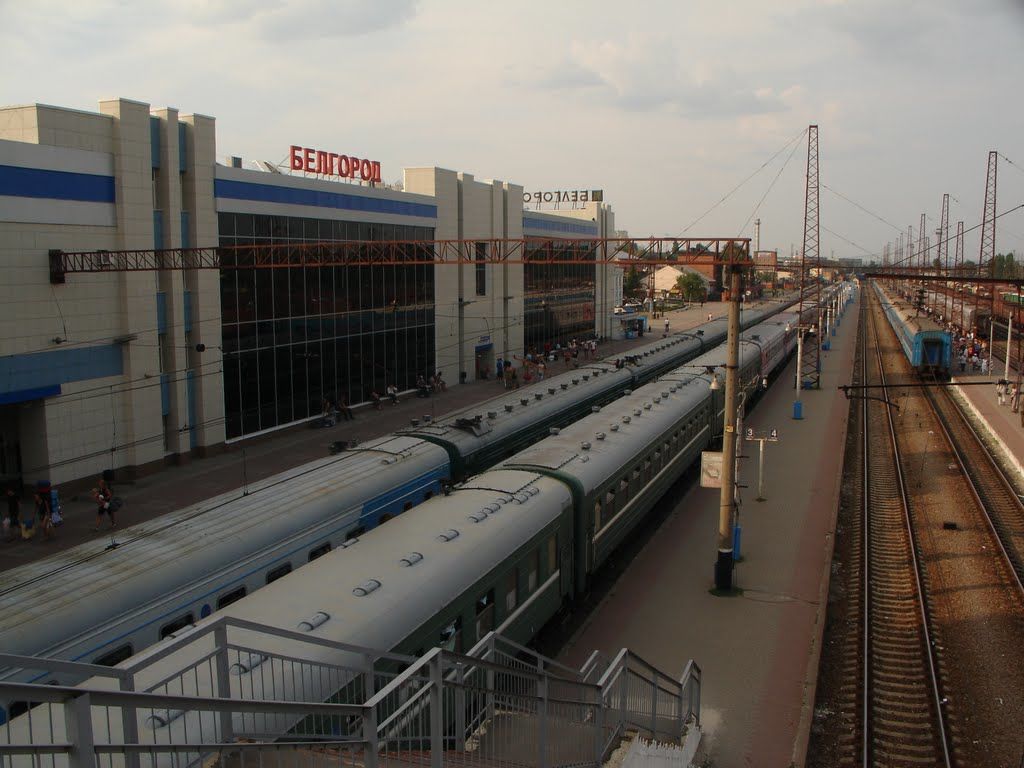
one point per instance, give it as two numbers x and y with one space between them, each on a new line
315 19
644 74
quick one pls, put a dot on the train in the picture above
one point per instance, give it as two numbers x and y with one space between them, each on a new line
927 345
505 550
102 602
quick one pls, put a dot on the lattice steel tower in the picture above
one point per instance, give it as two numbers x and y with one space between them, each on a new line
987 251
810 260
958 268
943 257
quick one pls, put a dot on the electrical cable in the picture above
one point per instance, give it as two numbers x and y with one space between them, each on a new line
861 207
731 192
770 187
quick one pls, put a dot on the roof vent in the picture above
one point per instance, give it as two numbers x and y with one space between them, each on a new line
595 372
368 586
585 445
414 422
586 377
647 406
584 458
564 386
664 395
554 431
626 419
533 490
411 559
427 418
575 380
508 407
657 398
247 663
448 535
636 411
492 508
627 392
600 435
314 621
538 395
551 390
673 388
477 517
595 409
615 427
521 498
348 543
389 460
492 415
524 401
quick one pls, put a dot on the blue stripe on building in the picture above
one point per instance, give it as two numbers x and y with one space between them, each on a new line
559 226
46 370
24 395
269 193
56 185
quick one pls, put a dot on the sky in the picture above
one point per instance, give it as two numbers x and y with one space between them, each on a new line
666 106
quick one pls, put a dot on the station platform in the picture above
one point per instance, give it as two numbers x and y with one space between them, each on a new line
253 459
759 648
1005 426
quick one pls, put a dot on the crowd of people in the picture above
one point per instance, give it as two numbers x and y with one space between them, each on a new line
534 365
43 515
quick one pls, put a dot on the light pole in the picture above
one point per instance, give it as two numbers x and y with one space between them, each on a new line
727 504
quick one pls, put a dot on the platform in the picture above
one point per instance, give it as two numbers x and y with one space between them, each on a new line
255 458
759 649
1005 426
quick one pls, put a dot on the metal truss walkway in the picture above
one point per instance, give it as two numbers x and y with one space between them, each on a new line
232 693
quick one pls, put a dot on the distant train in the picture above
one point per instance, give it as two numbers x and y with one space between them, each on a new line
503 550
101 603
927 345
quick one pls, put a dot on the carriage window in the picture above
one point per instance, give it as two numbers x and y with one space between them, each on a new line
231 597
531 579
451 636
512 590
485 614
179 623
597 515
114 657
552 555
279 572
609 503
624 490
320 551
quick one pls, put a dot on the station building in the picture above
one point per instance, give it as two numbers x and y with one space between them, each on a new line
130 369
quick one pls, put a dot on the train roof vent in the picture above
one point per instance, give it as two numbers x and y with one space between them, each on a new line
247 662
614 427
585 445
389 460
657 398
586 377
664 395
508 407
368 586
411 559
448 535
626 419
161 718
584 459
427 418
538 395
564 386
492 415
647 406
595 372
477 517
493 507
551 390
524 401
554 431
348 543
414 422
627 391
533 490
636 411
314 621
575 380
600 435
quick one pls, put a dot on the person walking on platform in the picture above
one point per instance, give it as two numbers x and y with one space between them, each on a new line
43 514
346 412
103 495
13 520
1000 391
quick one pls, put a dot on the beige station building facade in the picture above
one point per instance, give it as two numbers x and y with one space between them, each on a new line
128 370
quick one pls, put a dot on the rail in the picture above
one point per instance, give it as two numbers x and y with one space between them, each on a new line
247 694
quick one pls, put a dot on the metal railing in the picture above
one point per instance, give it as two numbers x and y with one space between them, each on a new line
237 693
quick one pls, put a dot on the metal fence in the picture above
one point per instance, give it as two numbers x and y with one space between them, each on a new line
238 694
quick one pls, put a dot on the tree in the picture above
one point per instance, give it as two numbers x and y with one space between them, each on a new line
691 286
632 283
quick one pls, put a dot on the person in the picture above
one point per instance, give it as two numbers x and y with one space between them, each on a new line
13 519
984 366
392 393
500 370
710 317
375 399
440 386
1013 397
102 494
422 388
1000 391
666 326
541 370
509 371
345 410
43 514
515 379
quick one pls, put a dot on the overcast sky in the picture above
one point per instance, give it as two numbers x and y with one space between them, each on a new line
666 106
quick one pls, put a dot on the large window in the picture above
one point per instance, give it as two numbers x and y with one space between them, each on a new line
294 336
559 298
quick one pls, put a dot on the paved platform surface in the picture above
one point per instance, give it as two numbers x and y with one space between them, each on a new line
758 649
178 486
1004 424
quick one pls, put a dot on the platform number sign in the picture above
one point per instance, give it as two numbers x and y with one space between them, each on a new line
750 433
773 434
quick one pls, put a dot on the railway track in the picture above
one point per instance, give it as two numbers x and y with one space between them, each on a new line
995 495
902 722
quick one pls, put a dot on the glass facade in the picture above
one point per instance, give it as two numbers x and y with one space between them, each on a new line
294 335
559 301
